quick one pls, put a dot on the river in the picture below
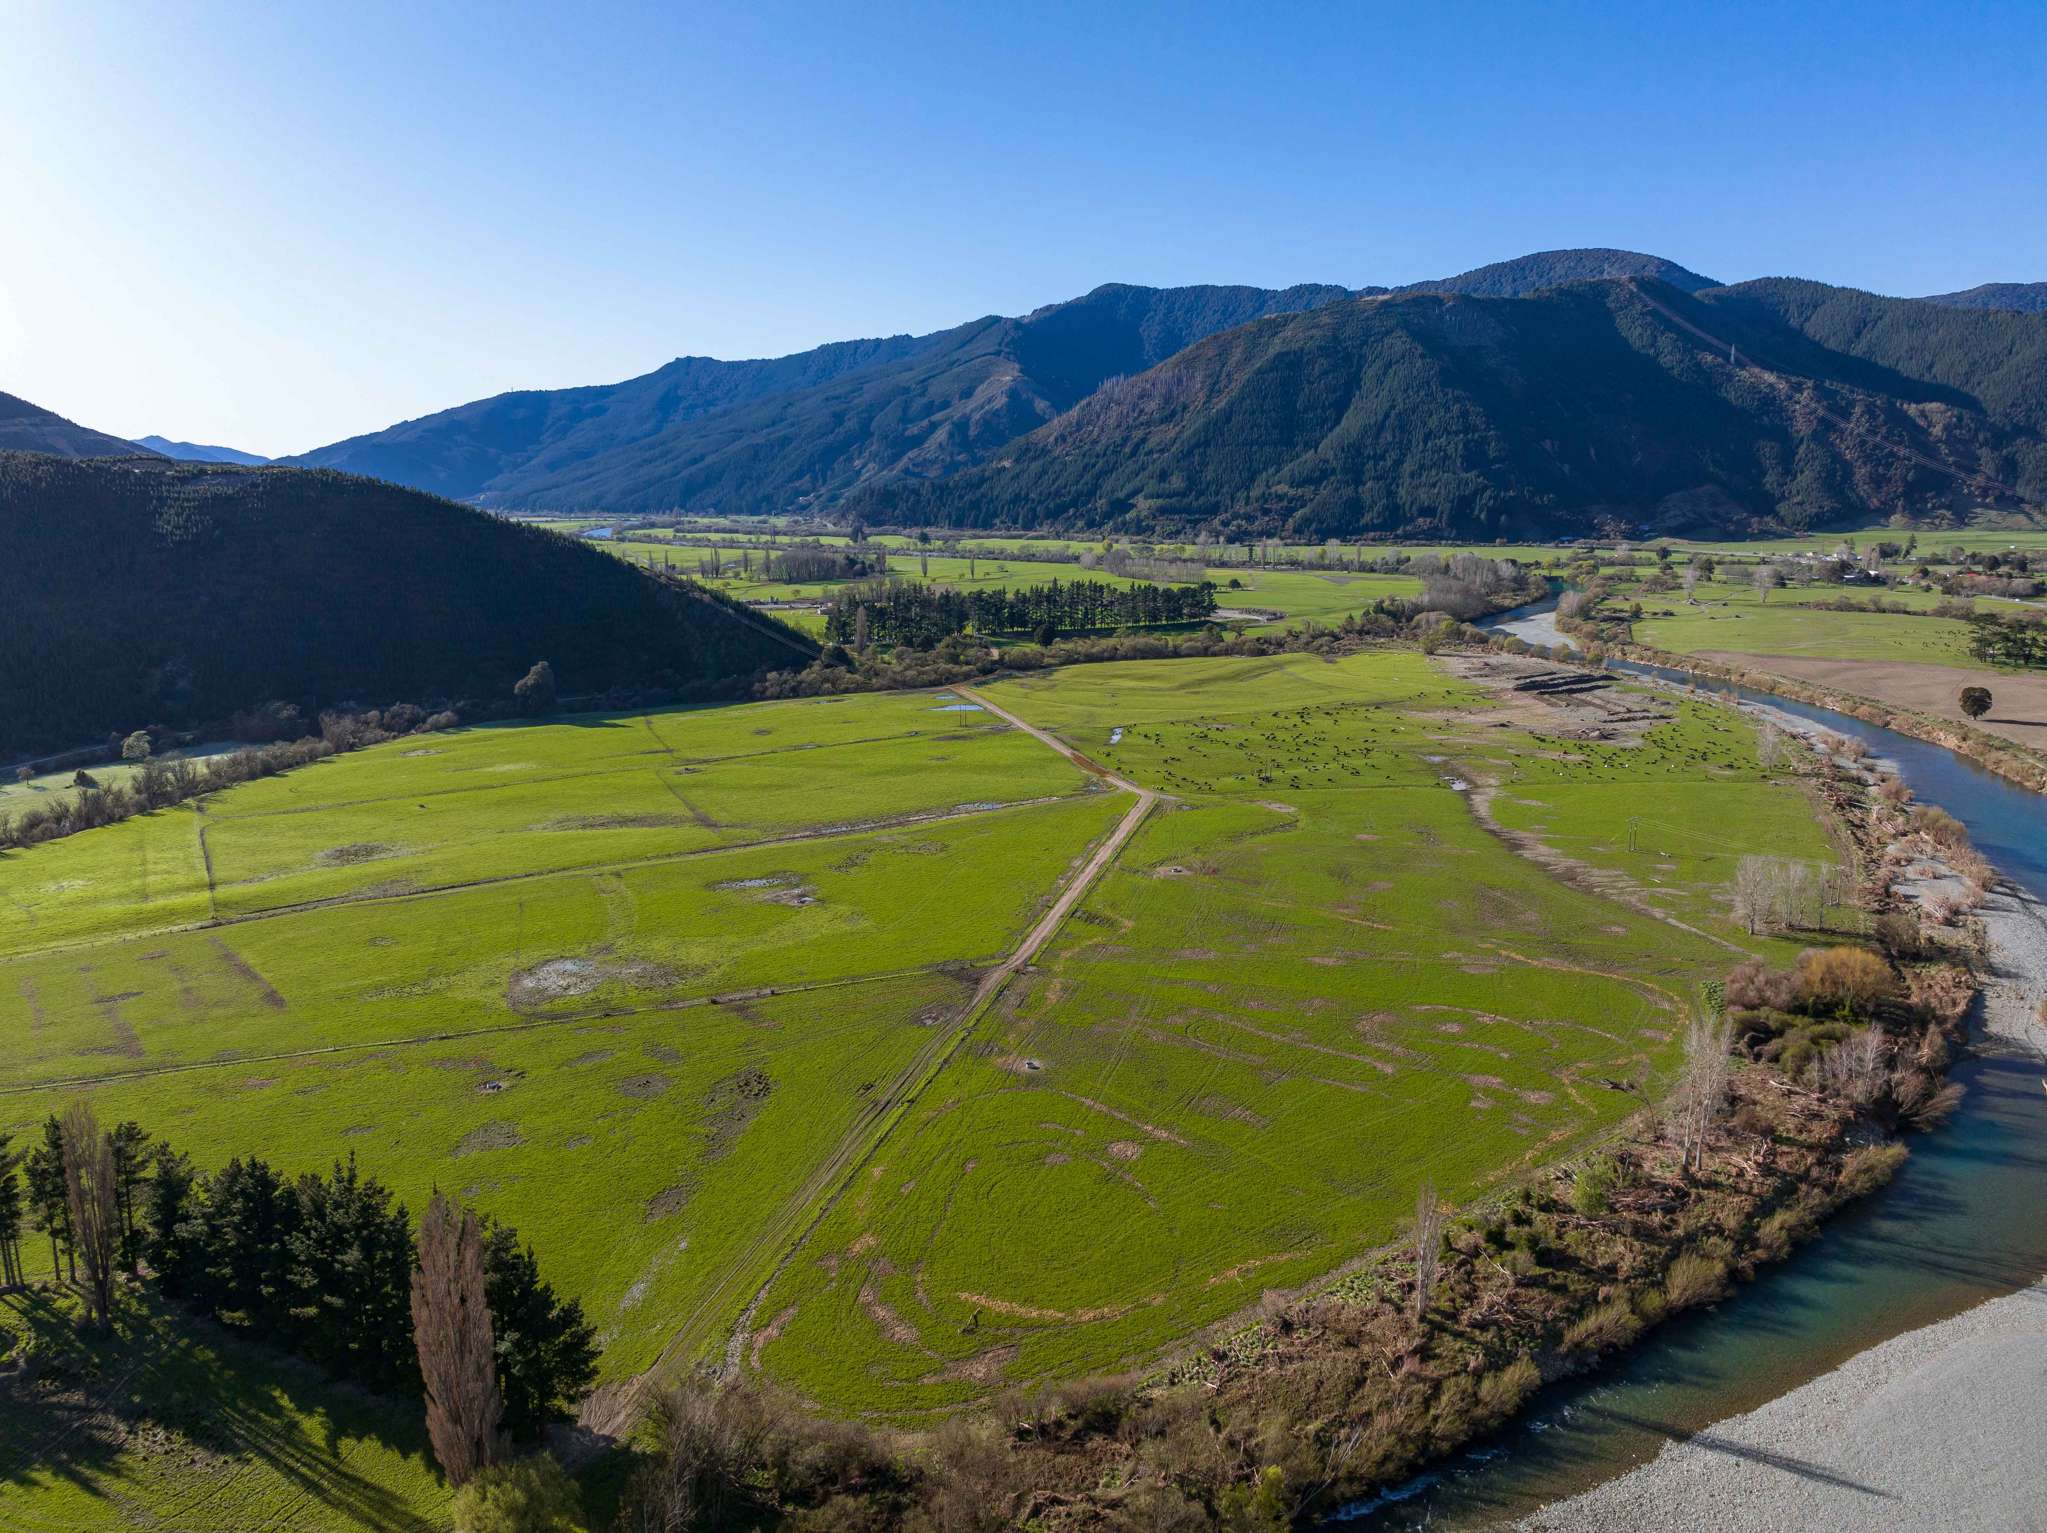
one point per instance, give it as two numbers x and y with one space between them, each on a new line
1961 1223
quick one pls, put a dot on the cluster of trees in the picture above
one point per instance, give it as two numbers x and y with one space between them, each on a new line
2018 640
324 1265
806 562
1466 586
918 615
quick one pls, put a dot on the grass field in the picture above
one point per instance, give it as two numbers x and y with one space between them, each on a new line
690 999
1733 618
1310 983
166 1426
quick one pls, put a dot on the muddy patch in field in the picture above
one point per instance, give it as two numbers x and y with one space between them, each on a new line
357 1130
667 1055
1058 1158
670 1200
354 852
1124 1149
615 822
564 979
490 1136
577 1142
644 1086
1017 1064
730 1105
594 1057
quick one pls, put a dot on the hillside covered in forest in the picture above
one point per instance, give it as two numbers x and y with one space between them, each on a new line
1624 402
146 592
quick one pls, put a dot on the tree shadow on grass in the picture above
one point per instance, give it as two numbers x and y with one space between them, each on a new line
108 1414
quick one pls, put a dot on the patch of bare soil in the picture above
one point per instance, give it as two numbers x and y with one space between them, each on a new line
563 979
1555 700
670 1200
247 971
645 1085
731 1104
490 1136
615 822
2018 711
354 852
594 1057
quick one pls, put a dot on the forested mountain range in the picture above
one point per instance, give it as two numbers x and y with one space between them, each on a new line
199 452
1383 417
30 428
146 592
772 435
800 432
1588 404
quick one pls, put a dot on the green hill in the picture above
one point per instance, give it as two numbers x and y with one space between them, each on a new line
1572 408
151 592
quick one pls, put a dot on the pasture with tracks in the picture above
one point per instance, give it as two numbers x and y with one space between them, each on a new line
883 1050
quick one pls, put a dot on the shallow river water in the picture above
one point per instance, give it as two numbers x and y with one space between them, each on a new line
1964 1221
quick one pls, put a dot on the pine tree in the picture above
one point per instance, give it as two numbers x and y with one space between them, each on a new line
174 1231
132 1158
546 1351
12 1214
47 1203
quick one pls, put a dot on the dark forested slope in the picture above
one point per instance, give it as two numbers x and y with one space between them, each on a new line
944 407
1451 415
466 451
30 428
151 592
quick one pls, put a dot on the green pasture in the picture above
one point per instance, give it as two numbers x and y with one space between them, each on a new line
167 1425
1312 980
681 996
1734 618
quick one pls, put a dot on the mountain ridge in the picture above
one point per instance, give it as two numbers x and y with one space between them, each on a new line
26 427
1452 415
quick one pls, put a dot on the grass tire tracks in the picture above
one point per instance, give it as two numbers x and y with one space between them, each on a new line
611 1413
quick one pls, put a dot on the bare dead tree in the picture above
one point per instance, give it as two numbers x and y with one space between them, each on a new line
92 1196
451 1327
1772 747
1702 1091
1767 578
1429 1220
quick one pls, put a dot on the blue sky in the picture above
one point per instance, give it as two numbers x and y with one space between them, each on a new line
274 226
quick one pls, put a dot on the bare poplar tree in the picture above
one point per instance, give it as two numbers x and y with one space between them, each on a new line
1429 1220
1753 893
1690 580
1772 747
1703 1089
451 1327
1767 578
92 1196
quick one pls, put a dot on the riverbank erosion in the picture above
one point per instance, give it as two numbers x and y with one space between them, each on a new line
1942 1427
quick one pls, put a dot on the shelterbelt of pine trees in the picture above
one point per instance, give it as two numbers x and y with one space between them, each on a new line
905 612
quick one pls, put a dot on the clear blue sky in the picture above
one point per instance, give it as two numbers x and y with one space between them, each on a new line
274 225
